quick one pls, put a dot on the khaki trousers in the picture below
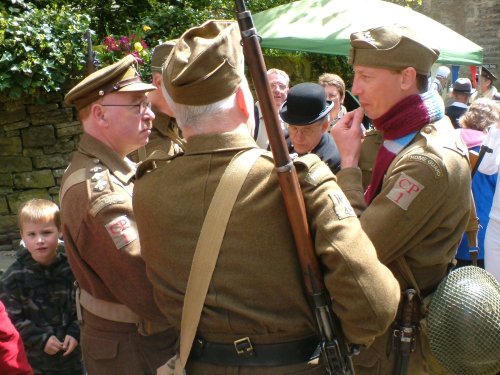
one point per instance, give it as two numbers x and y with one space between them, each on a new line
311 368
114 348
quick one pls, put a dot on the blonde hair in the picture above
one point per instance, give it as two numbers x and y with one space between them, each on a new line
38 210
280 73
482 113
330 79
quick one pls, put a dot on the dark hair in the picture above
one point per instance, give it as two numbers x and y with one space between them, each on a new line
422 83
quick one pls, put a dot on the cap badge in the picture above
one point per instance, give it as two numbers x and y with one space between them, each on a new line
100 185
367 36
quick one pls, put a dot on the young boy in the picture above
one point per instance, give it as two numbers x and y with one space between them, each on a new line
39 294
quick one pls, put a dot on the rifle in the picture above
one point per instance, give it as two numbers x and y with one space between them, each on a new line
405 332
90 66
476 160
335 352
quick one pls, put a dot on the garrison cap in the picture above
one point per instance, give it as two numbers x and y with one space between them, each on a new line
121 76
160 54
391 47
206 64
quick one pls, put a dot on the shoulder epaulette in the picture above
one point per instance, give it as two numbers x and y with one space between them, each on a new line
78 176
316 170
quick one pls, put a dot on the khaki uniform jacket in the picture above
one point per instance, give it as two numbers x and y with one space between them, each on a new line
256 289
99 229
164 137
422 208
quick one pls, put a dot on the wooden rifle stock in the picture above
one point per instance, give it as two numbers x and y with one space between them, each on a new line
335 352
476 160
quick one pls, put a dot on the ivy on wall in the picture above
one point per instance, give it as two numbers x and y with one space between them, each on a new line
43 45
40 48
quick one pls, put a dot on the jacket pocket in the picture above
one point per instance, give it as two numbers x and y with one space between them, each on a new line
99 348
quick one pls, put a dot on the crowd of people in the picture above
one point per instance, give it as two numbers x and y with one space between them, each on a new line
387 208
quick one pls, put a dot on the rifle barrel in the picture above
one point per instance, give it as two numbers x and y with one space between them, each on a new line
335 351
287 175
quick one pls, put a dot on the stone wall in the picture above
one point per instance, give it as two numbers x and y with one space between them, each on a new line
477 20
36 144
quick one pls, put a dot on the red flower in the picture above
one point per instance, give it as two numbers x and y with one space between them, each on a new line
139 60
111 44
125 43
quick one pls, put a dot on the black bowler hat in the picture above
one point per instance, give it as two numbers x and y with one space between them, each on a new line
305 104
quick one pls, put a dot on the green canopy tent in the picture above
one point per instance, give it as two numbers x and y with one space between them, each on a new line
324 26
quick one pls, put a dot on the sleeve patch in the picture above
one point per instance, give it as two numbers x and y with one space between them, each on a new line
429 162
341 205
121 232
404 191
104 201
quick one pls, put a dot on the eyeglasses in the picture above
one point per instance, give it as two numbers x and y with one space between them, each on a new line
306 130
143 106
280 86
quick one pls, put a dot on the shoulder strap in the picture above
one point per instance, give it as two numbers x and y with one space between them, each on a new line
208 246
407 274
80 175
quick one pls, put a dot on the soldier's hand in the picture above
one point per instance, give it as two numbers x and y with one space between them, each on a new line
348 135
53 345
70 343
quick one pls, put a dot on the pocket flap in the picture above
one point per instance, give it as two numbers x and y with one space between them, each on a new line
100 348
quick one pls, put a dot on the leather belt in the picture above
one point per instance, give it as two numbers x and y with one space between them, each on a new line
243 352
104 309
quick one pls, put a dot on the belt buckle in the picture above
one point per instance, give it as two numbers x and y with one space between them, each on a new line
243 347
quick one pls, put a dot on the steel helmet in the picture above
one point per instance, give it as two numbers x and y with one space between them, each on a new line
464 322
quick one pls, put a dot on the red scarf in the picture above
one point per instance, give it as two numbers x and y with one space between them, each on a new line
408 116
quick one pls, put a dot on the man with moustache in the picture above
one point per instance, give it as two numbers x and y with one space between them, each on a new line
123 331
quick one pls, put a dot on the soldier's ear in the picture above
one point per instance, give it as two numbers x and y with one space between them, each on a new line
98 112
408 78
157 81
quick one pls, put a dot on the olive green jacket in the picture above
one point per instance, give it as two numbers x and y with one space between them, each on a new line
256 289
423 206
